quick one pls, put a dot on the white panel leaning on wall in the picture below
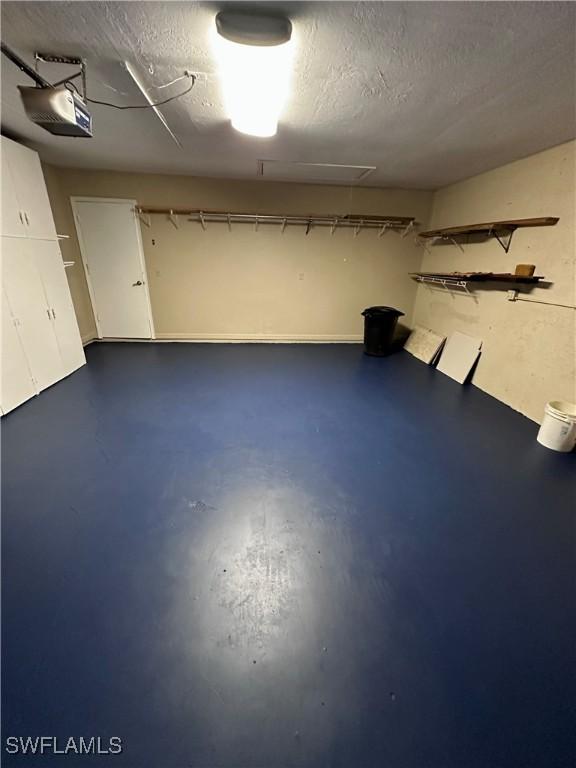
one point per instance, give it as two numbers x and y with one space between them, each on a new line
41 342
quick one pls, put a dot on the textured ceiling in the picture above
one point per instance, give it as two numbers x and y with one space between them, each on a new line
428 92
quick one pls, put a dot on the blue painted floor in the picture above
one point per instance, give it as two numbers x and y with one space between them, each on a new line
275 556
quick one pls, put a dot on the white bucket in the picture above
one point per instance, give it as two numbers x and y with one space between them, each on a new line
558 429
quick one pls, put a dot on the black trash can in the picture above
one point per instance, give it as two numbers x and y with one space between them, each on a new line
379 325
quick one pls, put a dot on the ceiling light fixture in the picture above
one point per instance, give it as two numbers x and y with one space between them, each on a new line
254 53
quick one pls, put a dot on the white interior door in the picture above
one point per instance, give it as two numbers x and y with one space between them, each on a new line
17 384
29 307
51 268
111 246
28 179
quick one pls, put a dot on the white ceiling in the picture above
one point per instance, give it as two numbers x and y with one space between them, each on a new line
428 92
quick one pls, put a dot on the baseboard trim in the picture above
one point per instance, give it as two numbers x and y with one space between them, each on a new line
247 338
242 338
87 340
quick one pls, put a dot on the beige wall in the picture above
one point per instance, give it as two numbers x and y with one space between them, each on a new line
268 285
247 284
528 354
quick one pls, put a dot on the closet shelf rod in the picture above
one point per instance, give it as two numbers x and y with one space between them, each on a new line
356 221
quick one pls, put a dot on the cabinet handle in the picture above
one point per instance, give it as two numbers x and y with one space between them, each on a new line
53 314
21 217
48 313
26 217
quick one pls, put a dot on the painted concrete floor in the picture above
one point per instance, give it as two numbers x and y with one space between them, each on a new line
260 556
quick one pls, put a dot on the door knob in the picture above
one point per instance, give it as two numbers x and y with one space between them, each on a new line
138 282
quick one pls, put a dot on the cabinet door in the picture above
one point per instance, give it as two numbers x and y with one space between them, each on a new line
51 269
24 165
17 384
28 304
12 217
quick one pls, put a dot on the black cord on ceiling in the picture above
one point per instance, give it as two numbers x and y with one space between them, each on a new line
140 106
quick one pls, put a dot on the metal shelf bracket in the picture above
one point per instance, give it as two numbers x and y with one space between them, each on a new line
409 228
144 218
504 237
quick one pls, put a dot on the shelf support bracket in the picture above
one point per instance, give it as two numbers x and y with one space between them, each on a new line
144 218
456 243
334 226
504 237
173 219
420 243
383 229
256 224
202 221
229 222
308 226
408 229
283 225
357 227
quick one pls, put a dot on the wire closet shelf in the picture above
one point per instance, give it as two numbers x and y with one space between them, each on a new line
357 222
445 282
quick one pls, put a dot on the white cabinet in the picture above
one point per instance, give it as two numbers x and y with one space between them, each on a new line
25 189
13 222
34 322
17 383
49 264
41 342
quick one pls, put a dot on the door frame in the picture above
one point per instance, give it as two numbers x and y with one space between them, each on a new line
74 200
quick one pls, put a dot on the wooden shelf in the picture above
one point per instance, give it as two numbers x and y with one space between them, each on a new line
501 230
488 227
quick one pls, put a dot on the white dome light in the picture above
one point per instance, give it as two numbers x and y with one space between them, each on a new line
254 55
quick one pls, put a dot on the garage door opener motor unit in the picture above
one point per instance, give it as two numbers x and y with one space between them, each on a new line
59 107
58 110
